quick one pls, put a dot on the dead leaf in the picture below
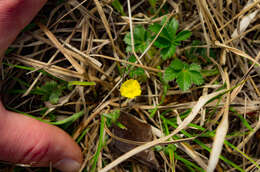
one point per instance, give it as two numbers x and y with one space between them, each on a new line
245 21
137 131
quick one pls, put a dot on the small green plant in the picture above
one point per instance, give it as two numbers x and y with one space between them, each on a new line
184 74
51 91
168 39
141 39
167 42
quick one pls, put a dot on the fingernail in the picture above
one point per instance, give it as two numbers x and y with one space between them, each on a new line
67 165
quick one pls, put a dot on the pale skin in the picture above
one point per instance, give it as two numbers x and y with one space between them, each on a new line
24 140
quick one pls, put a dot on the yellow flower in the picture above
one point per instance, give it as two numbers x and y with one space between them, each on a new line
130 89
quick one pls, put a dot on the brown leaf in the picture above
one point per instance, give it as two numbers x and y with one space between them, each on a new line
135 131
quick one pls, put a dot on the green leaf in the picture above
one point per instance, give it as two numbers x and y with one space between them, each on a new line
141 39
196 77
71 119
183 35
162 42
118 6
169 74
195 67
129 48
168 52
177 64
139 33
164 20
127 39
82 83
50 86
132 59
184 80
136 72
156 28
168 40
185 74
51 91
172 28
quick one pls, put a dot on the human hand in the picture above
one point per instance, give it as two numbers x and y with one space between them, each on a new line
22 139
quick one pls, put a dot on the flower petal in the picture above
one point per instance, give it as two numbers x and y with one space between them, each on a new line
130 89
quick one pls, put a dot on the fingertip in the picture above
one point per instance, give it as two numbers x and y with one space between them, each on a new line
29 141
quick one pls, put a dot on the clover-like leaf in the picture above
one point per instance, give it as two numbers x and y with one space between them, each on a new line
168 40
184 74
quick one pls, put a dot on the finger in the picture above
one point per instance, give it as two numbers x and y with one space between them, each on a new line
28 141
14 16
25 140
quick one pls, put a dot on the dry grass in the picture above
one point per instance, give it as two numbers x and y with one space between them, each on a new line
83 41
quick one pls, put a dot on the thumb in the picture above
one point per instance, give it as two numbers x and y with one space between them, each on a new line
25 140
28 141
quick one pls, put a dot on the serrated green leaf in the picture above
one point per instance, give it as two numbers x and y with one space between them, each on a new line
172 28
177 64
168 52
169 74
168 40
184 80
195 67
141 39
196 77
156 28
162 42
139 33
183 35
184 73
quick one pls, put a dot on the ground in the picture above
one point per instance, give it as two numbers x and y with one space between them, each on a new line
197 65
